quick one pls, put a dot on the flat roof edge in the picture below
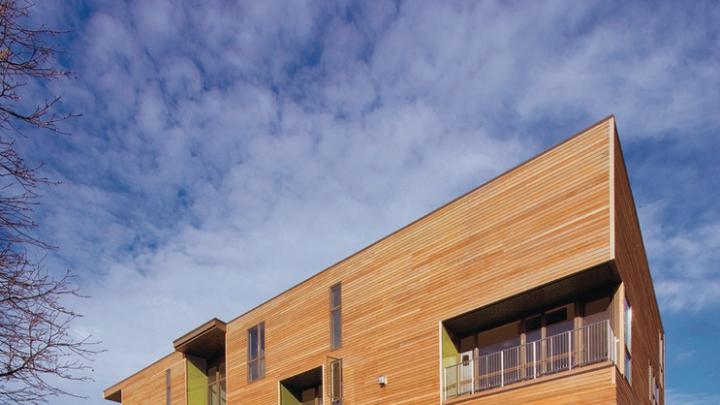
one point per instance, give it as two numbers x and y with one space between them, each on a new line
214 323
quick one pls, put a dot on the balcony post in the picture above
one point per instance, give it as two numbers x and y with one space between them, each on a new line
611 341
472 376
502 369
534 361
476 368
570 349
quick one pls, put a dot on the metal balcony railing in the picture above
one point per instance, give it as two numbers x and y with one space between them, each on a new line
590 344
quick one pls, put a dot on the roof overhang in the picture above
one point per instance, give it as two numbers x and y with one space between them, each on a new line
207 340
599 279
113 393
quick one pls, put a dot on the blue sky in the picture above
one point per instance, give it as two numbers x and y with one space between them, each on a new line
228 151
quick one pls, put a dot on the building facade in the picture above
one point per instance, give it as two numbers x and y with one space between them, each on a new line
533 288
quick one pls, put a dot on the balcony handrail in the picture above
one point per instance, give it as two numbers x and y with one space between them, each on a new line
561 351
550 338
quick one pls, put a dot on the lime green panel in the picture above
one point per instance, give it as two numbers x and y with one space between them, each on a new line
197 381
450 354
286 397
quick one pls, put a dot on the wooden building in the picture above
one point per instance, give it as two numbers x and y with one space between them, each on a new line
533 288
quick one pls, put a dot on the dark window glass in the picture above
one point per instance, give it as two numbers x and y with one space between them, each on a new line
335 296
557 316
533 323
335 316
256 352
533 330
336 329
253 338
558 322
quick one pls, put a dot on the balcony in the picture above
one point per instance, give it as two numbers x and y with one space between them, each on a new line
302 389
590 344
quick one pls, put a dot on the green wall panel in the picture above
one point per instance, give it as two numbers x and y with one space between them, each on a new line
286 397
197 381
450 354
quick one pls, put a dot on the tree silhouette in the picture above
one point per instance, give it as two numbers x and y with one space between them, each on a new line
37 346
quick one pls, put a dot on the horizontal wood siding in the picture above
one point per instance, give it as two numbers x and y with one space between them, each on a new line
544 220
148 386
632 265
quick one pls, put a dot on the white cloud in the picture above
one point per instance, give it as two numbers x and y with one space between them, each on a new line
683 259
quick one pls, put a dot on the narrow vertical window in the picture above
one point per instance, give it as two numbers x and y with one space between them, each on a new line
628 341
335 316
335 381
653 386
167 387
656 393
256 352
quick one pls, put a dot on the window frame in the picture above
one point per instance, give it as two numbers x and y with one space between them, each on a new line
335 392
259 360
217 381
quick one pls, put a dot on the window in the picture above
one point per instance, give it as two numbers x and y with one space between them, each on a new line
653 389
216 383
256 352
335 316
628 341
628 367
656 393
335 381
167 387
557 321
533 329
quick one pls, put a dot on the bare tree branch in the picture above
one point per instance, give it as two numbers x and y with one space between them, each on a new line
37 344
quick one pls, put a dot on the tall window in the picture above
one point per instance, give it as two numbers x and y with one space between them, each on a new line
653 387
256 352
335 381
628 341
335 316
